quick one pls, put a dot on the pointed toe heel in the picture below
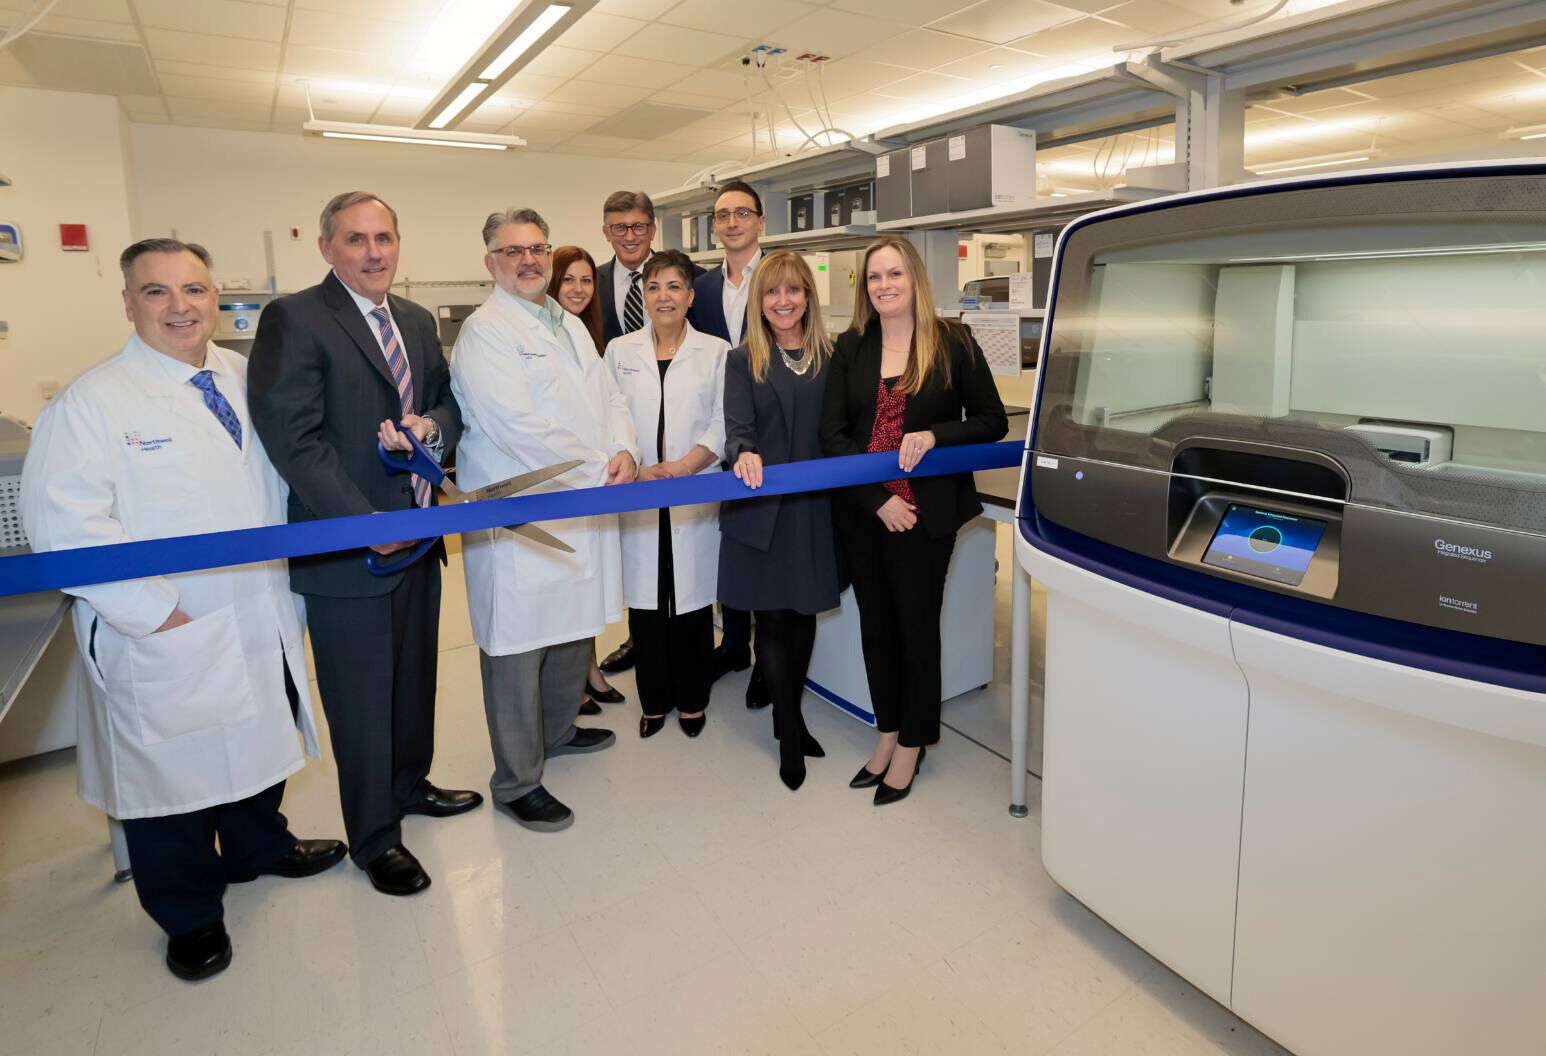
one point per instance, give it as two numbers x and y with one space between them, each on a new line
649 725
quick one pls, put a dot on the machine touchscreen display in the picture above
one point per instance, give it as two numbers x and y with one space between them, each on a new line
1263 543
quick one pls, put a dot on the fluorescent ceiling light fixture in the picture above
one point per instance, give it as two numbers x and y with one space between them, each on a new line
529 36
1526 132
510 41
417 136
1321 161
463 99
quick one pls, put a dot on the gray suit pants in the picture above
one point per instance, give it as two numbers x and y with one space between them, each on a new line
531 700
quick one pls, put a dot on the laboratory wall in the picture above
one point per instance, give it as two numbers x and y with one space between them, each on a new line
65 155
225 189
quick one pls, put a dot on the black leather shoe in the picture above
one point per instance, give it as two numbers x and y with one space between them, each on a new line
692 727
618 660
649 725
589 707
610 695
395 871
757 695
199 954
307 858
539 811
792 776
585 739
442 802
728 660
865 779
885 794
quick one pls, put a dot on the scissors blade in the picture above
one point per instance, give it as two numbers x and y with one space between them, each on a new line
505 488
537 535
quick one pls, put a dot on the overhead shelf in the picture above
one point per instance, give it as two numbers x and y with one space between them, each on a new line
1046 212
836 162
823 238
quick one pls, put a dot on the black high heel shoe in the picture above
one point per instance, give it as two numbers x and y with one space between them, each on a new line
610 695
649 725
809 746
886 795
865 779
692 727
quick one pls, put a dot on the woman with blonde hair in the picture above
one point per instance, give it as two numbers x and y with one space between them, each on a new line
777 554
904 380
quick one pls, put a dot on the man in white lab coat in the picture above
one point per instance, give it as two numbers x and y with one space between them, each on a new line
534 393
196 680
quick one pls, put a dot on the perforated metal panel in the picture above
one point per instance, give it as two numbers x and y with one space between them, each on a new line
11 534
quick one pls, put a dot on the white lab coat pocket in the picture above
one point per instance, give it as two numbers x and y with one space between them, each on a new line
189 678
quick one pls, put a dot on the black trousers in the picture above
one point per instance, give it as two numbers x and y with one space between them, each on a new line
179 876
736 625
376 660
785 639
899 583
673 658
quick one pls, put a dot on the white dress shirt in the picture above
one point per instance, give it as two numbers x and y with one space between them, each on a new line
733 298
621 277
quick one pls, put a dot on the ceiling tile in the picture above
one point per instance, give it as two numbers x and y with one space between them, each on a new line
224 73
80 27
712 82
335 32
1154 17
1071 40
74 64
692 47
496 121
925 86
228 91
11 71
644 73
208 108
835 33
688 98
636 8
556 107
217 51
1206 10
98 10
1012 66
601 146
843 77
1001 21
556 61
922 49
753 18
225 18
619 95
420 12
338 65
598 31
143 107
550 121
528 87
911 12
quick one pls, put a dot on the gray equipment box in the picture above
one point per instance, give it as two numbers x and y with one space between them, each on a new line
14 441
991 165
451 317
930 177
893 186
802 212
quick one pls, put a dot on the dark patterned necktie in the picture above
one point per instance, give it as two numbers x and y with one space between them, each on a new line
397 363
204 381
633 306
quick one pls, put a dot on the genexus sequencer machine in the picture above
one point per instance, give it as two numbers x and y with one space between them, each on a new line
1286 490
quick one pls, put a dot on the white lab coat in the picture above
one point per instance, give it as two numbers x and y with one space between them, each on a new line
695 414
195 716
529 402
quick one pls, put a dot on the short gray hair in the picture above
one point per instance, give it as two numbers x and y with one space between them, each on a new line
340 202
628 202
512 215
127 258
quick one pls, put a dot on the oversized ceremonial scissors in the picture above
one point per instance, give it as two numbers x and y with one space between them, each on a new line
421 463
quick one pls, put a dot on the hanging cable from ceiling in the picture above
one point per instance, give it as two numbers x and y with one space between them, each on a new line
40 11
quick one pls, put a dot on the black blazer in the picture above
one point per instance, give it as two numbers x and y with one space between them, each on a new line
707 313
611 325
968 411
318 387
778 420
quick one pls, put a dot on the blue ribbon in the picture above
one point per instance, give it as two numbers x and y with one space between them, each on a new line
58 569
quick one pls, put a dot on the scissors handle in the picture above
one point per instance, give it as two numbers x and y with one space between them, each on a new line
419 461
380 566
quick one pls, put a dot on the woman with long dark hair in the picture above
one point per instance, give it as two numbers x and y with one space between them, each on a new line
573 286
902 379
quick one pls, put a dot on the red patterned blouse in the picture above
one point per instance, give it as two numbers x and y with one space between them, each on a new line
887 433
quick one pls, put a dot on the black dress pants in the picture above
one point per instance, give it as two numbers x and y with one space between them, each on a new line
376 660
180 877
899 583
673 658
785 640
737 627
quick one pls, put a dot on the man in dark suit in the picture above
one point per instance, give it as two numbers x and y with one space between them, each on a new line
719 307
332 369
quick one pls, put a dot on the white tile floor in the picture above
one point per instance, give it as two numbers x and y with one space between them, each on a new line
695 906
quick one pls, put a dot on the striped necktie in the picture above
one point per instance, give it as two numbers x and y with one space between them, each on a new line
633 306
397 363
204 381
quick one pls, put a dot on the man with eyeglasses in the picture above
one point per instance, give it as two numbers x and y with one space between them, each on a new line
534 393
628 224
719 308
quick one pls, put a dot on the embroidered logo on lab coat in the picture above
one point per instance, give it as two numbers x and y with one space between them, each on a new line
135 442
530 353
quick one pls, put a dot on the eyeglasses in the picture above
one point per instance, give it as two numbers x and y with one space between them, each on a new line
538 251
641 228
722 216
